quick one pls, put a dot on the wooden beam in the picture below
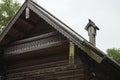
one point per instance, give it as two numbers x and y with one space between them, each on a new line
27 13
71 53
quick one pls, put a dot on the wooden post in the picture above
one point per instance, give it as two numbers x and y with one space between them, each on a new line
27 14
71 53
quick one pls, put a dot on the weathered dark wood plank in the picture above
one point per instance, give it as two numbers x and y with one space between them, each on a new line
45 71
56 61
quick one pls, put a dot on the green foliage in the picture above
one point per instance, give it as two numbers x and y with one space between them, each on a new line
8 8
114 54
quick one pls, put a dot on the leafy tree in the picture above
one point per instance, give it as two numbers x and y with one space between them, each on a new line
114 54
8 8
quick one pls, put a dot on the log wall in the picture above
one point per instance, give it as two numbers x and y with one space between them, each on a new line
49 67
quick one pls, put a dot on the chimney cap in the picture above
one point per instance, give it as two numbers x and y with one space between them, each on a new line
91 24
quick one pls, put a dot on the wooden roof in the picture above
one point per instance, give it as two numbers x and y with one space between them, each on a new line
19 27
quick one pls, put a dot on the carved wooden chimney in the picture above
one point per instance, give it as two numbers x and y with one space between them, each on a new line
91 28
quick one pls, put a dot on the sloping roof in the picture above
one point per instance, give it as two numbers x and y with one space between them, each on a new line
74 37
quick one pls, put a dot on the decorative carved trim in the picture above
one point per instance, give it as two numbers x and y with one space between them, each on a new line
34 45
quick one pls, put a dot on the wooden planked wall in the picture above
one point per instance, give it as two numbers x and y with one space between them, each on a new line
49 67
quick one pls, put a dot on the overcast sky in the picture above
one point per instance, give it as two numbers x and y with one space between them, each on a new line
75 13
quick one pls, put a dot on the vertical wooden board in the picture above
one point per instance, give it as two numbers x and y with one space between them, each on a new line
71 53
